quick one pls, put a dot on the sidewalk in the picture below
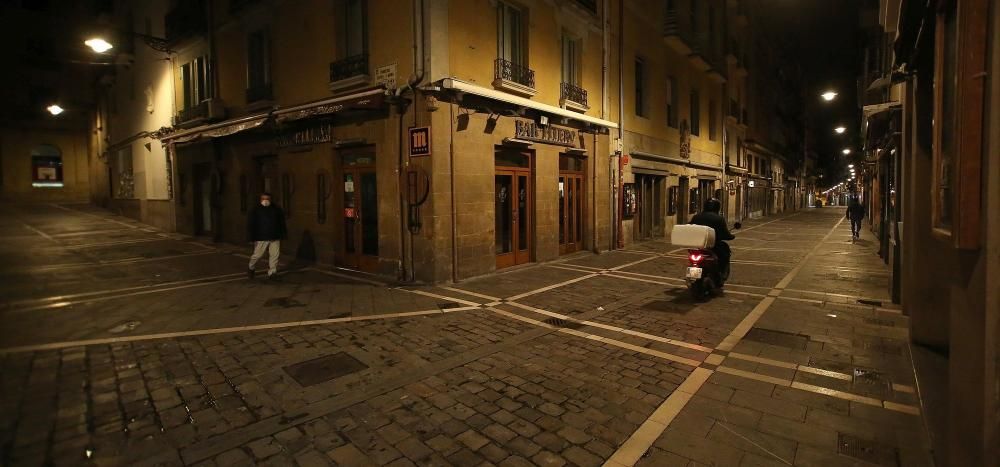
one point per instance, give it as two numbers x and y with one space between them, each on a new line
155 355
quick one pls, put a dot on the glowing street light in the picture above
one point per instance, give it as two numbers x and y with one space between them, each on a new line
846 151
850 166
54 109
840 130
829 96
98 44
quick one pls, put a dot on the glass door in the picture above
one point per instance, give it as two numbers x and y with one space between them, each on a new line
513 204
572 199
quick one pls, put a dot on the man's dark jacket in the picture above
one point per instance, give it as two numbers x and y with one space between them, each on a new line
855 210
266 223
715 221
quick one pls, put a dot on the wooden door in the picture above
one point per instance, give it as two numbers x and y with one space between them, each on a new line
359 210
571 211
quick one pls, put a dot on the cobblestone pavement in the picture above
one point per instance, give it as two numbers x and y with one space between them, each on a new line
123 345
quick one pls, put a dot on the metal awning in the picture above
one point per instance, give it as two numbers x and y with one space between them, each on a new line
369 99
215 130
873 109
462 86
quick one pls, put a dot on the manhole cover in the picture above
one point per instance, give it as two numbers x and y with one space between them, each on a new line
124 327
865 450
880 322
284 302
778 338
322 369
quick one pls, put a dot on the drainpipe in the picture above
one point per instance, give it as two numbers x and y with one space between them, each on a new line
454 208
619 241
605 59
407 273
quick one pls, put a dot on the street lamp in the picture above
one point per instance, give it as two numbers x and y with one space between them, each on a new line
54 109
829 96
98 45
850 166
846 151
840 130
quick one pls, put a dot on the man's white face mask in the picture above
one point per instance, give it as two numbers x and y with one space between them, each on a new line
265 202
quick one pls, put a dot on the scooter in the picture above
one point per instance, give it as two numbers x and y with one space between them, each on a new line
705 275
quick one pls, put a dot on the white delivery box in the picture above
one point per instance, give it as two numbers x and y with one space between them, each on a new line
693 236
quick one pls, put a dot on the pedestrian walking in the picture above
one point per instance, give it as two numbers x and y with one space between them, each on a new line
855 212
265 228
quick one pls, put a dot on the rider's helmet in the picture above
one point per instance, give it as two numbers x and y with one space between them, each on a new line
713 205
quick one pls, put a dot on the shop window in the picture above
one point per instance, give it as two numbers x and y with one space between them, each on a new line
672 200
46 167
695 113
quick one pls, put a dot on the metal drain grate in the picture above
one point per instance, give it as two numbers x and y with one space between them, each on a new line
870 382
870 302
563 323
323 369
778 338
868 451
879 322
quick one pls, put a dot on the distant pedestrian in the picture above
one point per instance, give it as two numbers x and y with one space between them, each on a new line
855 212
265 228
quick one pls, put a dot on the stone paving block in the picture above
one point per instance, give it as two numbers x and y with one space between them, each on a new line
752 441
548 459
699 449
769 405
349 455
803 433
472 439
659 458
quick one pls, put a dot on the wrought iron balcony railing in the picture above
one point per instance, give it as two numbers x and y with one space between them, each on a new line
259 93
349 67
573 93
510 71
194 112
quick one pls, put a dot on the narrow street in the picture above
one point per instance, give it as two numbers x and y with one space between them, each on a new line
123 345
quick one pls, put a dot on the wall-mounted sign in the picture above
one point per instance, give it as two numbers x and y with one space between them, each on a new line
530 131
308 135
628 201
750 184
386 76
420 141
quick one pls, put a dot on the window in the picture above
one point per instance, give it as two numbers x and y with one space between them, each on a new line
258 66
693 12
510 34
355 38
570 60
672 101
640 84
695 113
46 167
196 82
739 152
713 115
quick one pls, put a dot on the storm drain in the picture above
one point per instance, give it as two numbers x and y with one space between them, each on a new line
870 381
778 338
323 369
563 323
865 450
284 302
870 302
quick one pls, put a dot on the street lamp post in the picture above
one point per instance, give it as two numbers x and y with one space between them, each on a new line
829 95
101 45
840 130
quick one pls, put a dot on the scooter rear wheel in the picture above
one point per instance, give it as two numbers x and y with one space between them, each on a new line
702 289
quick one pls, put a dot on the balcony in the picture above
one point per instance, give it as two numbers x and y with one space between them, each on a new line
258 94
184 21
701 53
511 77
349 72
573 97
204 111
675 33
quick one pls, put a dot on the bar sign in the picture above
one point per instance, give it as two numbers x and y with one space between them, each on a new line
420 141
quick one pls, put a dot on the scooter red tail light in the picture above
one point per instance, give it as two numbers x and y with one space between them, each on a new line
695 257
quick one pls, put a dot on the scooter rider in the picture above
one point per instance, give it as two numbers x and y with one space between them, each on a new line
710 217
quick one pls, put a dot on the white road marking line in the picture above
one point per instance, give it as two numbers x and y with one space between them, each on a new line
124 289
438 296
132 260
102 218
636 445
550 287
613 328
85 232
204 332
343 276
633 263
472 294
123 242
573 268
743 261
39 232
